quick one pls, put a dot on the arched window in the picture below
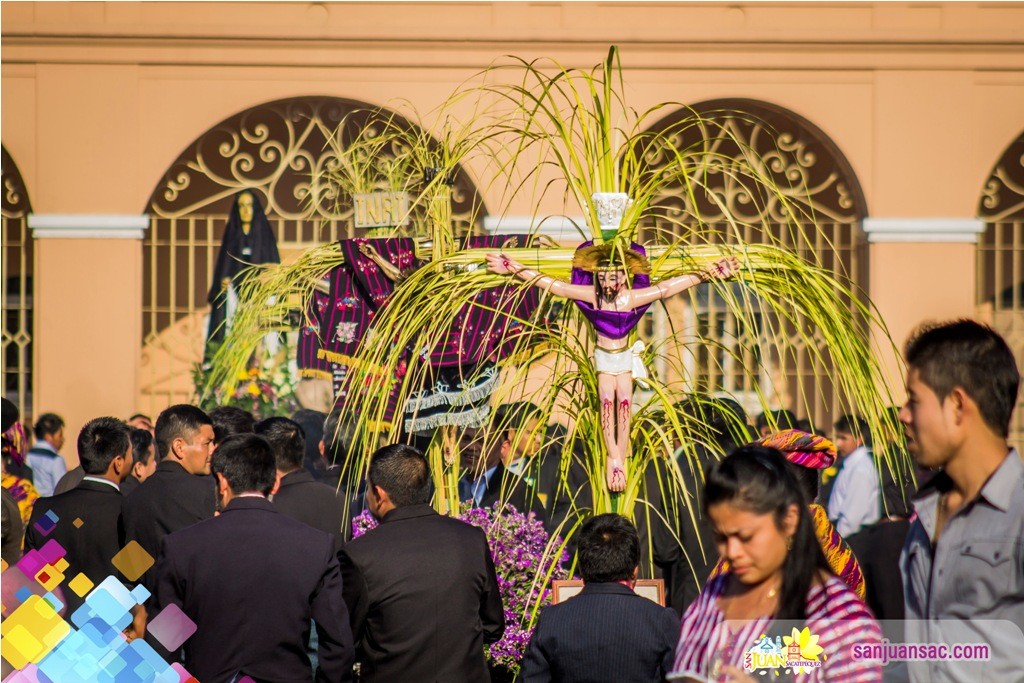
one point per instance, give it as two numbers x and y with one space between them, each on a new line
274 150
17 289
1001 259
814 174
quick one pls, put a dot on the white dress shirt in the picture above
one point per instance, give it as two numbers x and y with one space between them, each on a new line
855 500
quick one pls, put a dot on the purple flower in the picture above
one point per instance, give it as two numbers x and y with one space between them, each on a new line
362 523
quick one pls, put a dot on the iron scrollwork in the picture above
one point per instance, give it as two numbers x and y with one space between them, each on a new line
1002 198
277 150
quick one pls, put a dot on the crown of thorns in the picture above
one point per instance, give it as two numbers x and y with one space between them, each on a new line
609 256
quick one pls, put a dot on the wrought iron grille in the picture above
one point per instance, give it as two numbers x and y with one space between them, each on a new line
16 359
813 176
275 150
1000 287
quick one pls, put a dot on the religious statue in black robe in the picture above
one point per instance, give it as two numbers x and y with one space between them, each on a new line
248 240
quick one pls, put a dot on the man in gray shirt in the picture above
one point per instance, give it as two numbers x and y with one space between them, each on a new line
963 561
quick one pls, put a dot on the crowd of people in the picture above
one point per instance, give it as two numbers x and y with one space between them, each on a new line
790 538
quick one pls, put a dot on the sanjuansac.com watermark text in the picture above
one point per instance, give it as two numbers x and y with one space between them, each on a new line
886 651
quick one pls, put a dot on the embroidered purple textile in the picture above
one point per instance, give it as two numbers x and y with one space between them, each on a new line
477 333
307 354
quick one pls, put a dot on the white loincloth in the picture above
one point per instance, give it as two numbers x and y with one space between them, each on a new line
621 362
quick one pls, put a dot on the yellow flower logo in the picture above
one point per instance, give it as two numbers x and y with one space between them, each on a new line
808 645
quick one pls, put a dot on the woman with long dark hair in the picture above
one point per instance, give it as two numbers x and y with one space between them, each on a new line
779 606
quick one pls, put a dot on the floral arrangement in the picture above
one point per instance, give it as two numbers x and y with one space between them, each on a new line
525 560
265 388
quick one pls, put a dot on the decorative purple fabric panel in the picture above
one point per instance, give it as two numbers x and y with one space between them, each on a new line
376 287
346 316
309 345
358 290
476 333
611 324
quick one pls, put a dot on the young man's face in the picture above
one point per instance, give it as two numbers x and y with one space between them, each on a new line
527 441
470 447
847 443
195 453
929 424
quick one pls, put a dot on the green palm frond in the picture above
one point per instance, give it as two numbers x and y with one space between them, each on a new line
548 116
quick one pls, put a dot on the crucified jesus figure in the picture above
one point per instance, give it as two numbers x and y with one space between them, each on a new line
610 304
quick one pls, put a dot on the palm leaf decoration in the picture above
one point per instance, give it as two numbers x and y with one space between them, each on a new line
548 117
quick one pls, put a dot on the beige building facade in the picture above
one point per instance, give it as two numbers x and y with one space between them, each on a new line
921 104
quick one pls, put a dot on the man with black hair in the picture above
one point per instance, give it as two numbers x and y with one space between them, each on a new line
682 543
146 460
89 520
230 420
855 500
963 561
774 420
312 423
606 632
252 580
141 421
143 454
337 443
181 492
421 588
510 473
44 457
299 496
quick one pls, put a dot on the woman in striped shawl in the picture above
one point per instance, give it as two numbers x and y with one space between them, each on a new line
778 610
811 454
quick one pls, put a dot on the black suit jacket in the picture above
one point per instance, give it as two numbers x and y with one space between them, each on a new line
303 498
423 598
565 488
252 579
606 633
90 547
71 479
683 553
129 485
169 500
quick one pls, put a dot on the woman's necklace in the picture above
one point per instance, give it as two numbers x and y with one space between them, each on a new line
745 606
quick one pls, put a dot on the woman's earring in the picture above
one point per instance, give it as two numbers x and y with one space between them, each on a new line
789 543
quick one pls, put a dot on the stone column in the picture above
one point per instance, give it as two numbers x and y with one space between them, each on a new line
88 317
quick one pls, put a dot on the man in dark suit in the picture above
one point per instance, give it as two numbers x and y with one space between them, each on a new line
509 471
252 579
299 495
230 420
181 492
105 452
143 453
607 632
421 588
563 483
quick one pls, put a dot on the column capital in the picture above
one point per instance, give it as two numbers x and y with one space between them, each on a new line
88 226
948 230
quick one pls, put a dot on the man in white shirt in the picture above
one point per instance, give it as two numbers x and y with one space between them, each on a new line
854 503
44 457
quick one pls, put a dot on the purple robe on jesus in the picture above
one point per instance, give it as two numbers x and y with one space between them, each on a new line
611 324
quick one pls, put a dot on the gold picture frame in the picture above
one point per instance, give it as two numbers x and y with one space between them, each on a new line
652 589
